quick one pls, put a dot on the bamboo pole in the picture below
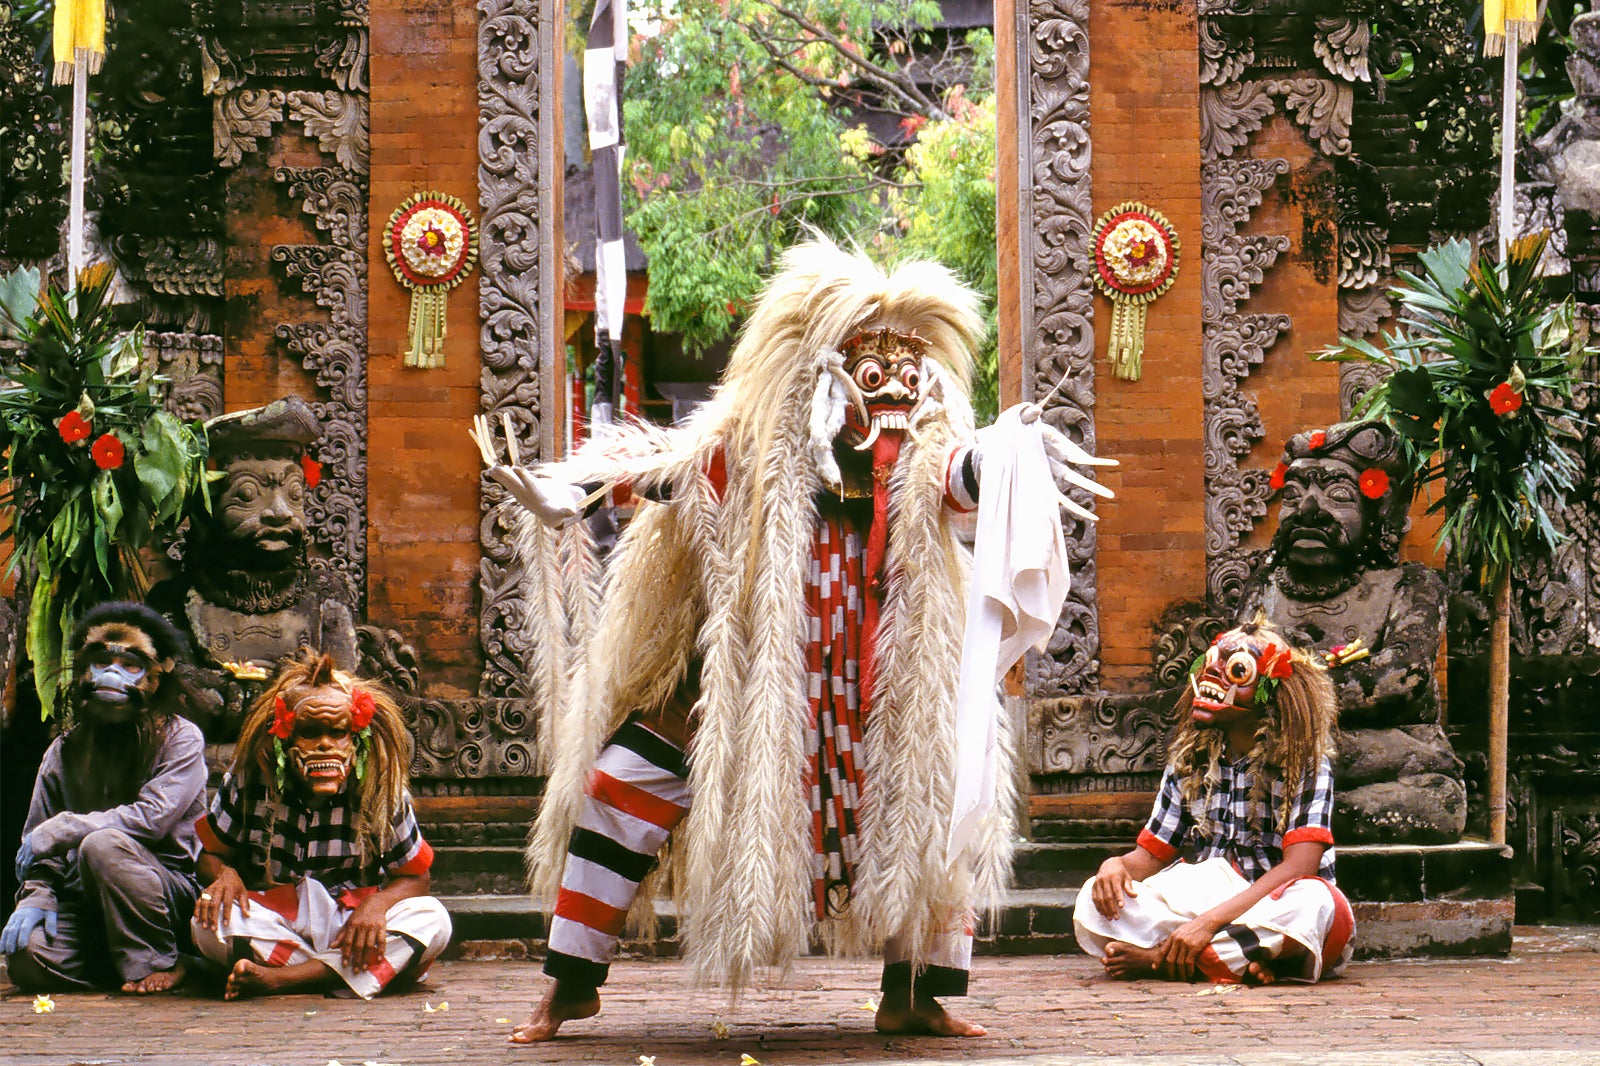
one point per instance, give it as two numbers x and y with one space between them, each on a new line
1499 707
1508 143
80 137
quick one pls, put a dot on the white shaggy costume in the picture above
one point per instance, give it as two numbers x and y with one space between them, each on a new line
812 799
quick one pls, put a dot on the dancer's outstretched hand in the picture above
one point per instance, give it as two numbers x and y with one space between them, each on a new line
556 503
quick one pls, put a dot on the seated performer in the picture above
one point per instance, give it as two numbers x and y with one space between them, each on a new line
1247 793
316 874
770 674
107 857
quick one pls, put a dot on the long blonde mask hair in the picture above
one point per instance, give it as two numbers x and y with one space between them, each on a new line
1298 729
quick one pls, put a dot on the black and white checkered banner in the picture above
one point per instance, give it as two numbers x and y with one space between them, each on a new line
604 55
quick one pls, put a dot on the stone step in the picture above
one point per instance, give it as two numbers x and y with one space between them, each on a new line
1409 901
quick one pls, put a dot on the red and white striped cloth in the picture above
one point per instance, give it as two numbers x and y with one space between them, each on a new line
834 590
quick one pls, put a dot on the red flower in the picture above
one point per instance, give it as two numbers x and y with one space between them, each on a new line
282 720
73 427
1275 662
1279 472
312 470
107 452
1317 439
1374 483
361 709
1503 400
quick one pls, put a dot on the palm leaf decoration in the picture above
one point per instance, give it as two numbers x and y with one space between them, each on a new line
95 468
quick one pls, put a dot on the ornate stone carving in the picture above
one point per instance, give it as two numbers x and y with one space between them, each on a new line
1057 331
1233 344
241 119
1229 114
246 594
342 58
1322 107
334 275
1341 43
338 120
512 283
1100 733
1334 576
175 266
193 364
474 738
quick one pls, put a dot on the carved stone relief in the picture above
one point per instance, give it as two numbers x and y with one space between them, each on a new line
256 63
192 362
335 276
1234 343
1057 328
517 273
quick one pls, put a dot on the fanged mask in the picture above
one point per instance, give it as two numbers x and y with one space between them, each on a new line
1237 674
886 380
323 741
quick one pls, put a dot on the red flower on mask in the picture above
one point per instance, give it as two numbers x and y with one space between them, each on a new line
282 720
1275 662
312 470
107 452
1279 472
73 427
1374 483
361 709
1318 439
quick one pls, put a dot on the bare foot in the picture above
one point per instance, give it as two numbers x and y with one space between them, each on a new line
253 979
1257 974
923 1016
159 981
564 1002
1128 961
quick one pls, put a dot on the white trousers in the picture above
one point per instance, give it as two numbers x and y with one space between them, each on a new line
284 928
1310 912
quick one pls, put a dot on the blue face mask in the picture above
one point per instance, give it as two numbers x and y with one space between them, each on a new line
114 682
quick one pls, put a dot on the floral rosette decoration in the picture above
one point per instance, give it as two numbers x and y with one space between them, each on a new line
431 243
1135 260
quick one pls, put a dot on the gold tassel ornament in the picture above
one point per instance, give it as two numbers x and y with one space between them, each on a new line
431 243
1136 260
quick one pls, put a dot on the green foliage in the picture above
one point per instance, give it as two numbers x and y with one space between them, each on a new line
947 214
95 468
1482 373
744 132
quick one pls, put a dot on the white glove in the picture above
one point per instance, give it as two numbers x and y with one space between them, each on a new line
556 503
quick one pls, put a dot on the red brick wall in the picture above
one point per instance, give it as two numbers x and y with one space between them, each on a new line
422 512
1145 108
1144 100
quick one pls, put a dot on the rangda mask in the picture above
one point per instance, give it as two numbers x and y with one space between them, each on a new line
886 379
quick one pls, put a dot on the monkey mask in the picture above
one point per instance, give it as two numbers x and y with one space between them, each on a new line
119 668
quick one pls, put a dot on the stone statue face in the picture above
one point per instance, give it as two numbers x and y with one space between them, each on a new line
262 507
1322 522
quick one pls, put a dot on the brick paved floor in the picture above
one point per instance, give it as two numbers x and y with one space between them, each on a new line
1539 1007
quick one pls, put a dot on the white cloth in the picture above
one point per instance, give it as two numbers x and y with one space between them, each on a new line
1019 582
1310 911
419 930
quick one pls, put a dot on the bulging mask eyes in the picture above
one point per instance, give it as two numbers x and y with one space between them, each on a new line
911 377
1240 668
870 375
